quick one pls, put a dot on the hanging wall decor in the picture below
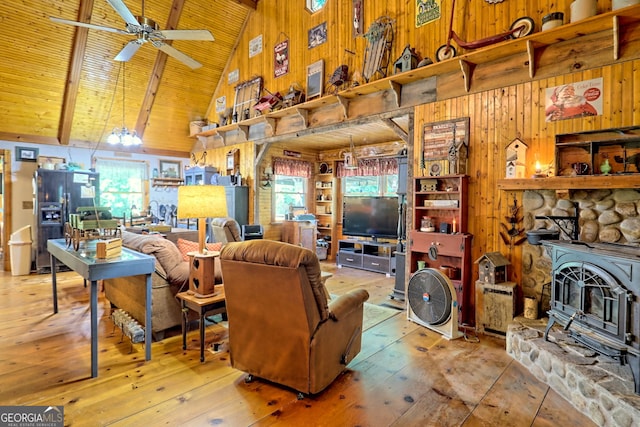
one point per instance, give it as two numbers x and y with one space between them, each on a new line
317 35
233 76
221 104
281 58
255 46
427 11
315 76
444 147
358 18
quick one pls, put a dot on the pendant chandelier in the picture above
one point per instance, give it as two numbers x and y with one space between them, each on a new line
122 136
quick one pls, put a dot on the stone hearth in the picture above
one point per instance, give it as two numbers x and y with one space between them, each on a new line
597 386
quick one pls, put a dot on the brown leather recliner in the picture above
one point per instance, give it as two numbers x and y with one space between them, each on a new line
281 326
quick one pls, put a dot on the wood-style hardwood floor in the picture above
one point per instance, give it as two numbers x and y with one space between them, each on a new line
405 375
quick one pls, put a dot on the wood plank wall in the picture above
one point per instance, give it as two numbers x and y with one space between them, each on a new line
497 116
277 20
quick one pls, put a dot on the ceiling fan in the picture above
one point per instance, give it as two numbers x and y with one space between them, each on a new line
146 30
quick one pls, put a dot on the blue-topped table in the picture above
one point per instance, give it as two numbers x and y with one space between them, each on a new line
85 263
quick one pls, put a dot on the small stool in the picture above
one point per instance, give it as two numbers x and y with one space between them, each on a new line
208 305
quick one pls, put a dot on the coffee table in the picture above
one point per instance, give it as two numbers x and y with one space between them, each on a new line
203 306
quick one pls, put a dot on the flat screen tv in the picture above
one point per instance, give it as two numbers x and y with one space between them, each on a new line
370 216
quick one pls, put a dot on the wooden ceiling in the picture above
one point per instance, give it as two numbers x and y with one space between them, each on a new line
60 84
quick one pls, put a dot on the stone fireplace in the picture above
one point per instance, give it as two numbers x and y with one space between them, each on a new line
600 380
610 216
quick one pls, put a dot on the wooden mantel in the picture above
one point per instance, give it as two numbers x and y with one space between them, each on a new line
587 182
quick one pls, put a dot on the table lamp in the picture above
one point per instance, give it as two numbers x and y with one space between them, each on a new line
201 202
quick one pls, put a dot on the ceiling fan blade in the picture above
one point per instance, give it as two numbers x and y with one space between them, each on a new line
90 26
128 51
204 35
123 11
175 53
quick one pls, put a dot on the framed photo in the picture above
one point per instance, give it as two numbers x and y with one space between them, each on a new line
315 78
24 154
317 35
169 169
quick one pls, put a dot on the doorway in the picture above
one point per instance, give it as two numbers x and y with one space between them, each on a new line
5 204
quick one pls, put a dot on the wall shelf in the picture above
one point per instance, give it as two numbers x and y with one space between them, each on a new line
610 27
166 182
591 182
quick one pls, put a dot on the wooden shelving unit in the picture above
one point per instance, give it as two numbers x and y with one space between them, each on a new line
325 203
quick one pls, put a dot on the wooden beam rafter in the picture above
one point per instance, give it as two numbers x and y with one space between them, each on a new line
75 71
158 70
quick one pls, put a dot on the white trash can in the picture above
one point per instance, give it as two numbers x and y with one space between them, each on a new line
20 246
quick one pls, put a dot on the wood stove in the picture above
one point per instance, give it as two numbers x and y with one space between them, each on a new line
595 295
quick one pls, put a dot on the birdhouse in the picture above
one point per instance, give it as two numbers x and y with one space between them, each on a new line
407 61
516 159
492 268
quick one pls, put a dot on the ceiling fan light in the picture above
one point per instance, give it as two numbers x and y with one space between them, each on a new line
114 138
127 139
135 139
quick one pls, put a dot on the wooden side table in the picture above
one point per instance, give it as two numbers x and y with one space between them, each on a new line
202 273
209 305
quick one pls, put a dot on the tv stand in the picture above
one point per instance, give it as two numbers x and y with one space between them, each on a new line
369 255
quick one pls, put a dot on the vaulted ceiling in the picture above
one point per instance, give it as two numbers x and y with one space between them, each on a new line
60 84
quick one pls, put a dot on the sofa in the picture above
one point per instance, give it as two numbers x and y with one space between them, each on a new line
170 277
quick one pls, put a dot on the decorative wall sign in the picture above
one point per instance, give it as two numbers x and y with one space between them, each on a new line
281 58
580 99
234 76
318 35
315 78
221 104
445 148
427 11
25 154
290 153
255 46
358 18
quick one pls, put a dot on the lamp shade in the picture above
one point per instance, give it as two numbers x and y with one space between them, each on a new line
202 201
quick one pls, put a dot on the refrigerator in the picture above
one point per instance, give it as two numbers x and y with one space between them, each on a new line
57 193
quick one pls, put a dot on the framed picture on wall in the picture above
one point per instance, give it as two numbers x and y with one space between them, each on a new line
25 154
169 169
315 76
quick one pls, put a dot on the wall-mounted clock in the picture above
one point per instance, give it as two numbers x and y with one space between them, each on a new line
315 5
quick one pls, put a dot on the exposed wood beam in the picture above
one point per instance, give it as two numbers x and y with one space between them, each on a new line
158 70
75 71
251 4
397 130
335 126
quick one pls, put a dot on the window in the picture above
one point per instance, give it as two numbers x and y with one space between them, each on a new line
289 192
122 185
315 5
385 185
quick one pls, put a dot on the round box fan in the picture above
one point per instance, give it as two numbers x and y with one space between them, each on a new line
433 303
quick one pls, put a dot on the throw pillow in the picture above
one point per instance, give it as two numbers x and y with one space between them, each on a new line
186 246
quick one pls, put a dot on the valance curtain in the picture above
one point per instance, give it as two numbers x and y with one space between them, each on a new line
370 167
292 167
